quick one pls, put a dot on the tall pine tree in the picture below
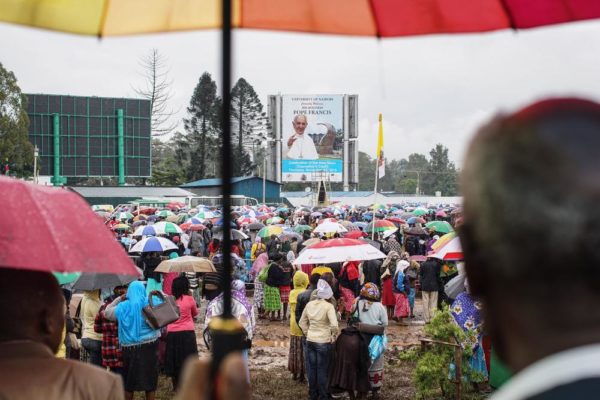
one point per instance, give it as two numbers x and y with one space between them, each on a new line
248 122
202 126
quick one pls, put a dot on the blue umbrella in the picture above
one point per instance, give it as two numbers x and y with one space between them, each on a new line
361 225
146 230
152 243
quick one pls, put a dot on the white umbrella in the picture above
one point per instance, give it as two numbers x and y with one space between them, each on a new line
151 243
338 250
330 227
164 227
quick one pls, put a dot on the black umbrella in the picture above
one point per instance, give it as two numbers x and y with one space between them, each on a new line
90 281
255 226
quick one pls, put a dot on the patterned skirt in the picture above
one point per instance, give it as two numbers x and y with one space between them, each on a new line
259 294
284 294
272 299
401 309
296 356
376 373
348 297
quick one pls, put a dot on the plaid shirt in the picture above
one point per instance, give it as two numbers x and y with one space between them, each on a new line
111 350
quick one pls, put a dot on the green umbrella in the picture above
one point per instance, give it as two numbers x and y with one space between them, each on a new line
439 226
302 228
64 278
419 212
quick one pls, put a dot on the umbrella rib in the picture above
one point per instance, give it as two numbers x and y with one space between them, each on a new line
375 22
509 15
103 17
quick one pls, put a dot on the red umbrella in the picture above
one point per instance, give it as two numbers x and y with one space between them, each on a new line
67 236
397 221
355 235
338 250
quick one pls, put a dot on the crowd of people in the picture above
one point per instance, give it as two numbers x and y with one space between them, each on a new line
335 311
338 313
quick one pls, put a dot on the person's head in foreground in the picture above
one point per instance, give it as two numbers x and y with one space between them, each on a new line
32 307
531 240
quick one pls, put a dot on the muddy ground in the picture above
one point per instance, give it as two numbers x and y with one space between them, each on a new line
269 355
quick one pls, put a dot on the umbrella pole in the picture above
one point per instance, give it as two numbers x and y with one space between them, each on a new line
226 331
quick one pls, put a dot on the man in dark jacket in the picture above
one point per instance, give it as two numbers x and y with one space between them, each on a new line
538 284
429 276
372 272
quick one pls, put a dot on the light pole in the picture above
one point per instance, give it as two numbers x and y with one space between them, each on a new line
264 173
418 172
36 153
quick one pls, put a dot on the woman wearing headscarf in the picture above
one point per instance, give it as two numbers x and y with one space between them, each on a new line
296 353
388 269
353 367
370 311
139 341
276 276
319 323
258 265
181 336
401 289
241 309
349 284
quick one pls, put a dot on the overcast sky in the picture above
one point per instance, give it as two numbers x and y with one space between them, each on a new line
433 89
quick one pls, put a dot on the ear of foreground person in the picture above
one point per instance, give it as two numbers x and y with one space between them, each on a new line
232 383
531 187
32 308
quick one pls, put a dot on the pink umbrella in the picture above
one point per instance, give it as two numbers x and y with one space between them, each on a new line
67 235
338 250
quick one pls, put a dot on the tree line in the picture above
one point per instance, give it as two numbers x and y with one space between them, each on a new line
180 156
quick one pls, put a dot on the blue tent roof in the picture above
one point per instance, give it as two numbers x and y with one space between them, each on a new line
217 181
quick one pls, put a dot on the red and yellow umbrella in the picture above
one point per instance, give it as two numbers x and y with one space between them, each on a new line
380 18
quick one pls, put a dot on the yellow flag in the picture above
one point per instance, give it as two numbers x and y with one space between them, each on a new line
380 156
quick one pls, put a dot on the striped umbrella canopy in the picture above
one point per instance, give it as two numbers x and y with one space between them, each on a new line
451 250
165 213
145 230
124 216
151 243
205 215
164 227
445 239
121 227
338 250
376 18
267 231
381 225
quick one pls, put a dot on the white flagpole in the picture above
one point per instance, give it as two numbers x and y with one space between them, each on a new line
375 195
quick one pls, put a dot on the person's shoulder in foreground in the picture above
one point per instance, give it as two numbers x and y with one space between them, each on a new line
531 187
33 308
